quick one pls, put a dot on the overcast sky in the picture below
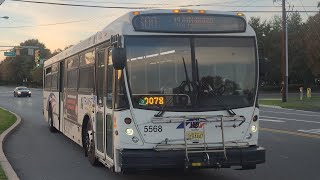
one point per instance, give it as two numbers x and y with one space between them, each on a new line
73 24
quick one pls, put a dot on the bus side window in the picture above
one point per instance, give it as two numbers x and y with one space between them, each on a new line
109 80
47 79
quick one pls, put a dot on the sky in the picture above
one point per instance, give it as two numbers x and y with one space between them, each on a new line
61 26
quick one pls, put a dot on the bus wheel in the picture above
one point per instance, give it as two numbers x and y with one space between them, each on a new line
90 146
50 120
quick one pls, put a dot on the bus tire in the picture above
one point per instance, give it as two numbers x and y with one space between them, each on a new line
85 121
50 120
90 145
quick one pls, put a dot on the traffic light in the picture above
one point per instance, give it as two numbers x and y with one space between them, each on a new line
37 57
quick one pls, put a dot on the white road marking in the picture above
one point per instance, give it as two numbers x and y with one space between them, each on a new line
311 131
298 120
312 114
271 120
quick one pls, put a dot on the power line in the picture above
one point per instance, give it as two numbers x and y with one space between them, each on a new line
127 7
58 23
82 5
110 2
152 4
77 21
52 24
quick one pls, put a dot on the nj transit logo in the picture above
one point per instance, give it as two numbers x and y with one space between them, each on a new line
192 124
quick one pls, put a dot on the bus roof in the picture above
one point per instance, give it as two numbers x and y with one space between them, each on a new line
123 26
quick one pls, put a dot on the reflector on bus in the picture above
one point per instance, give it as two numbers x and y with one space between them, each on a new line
189 23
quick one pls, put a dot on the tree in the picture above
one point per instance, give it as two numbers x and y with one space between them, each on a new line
37 76
15 70
299 71
312 43
55 52
44 52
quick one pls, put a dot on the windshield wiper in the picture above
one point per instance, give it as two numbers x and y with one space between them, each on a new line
188 82
229 110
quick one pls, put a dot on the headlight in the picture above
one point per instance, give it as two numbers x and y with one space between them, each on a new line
29 92
254 128
129 131
19 92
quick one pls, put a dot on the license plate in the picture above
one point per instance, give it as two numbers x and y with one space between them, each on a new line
194 135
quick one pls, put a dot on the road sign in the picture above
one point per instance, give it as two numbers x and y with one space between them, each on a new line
10 54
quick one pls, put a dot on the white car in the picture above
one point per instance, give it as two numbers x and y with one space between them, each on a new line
21 91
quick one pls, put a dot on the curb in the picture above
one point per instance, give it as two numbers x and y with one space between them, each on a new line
278 107
270 106
6 166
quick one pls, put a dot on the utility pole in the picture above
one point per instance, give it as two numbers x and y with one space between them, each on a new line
284 54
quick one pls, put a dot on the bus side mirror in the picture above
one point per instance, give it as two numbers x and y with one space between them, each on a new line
119 58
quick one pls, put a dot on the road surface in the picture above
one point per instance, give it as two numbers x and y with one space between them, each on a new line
292 140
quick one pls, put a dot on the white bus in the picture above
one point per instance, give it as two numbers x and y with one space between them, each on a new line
160 89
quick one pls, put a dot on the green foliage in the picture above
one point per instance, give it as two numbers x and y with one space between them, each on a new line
6 120
303 45
2 175
20 70
37 76
311 104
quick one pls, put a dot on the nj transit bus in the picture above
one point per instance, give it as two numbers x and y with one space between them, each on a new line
160 89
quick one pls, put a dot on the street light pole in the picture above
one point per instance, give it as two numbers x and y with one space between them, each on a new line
284 54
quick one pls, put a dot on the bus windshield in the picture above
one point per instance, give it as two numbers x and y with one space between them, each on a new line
188 74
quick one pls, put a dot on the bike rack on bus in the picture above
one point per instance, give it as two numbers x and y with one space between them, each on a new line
191 148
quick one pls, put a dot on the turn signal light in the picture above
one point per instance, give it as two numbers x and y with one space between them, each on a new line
240 14
176 11
127 120
202 11
135 12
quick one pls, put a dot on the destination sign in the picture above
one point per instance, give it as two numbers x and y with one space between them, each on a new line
189 23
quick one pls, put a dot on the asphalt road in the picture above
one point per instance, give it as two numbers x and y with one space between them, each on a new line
292 140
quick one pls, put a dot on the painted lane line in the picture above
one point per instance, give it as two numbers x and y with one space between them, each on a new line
311 131
298 114
290 133
272 120
298 120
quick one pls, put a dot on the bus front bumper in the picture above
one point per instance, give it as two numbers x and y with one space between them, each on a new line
150 159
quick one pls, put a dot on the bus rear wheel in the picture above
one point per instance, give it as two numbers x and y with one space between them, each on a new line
90 145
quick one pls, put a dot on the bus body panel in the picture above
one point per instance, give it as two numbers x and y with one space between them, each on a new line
174 132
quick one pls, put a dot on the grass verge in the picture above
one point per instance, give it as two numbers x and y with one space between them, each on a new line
308 104
6 120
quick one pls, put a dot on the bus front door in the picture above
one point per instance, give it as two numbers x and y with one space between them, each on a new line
103 110
109 109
